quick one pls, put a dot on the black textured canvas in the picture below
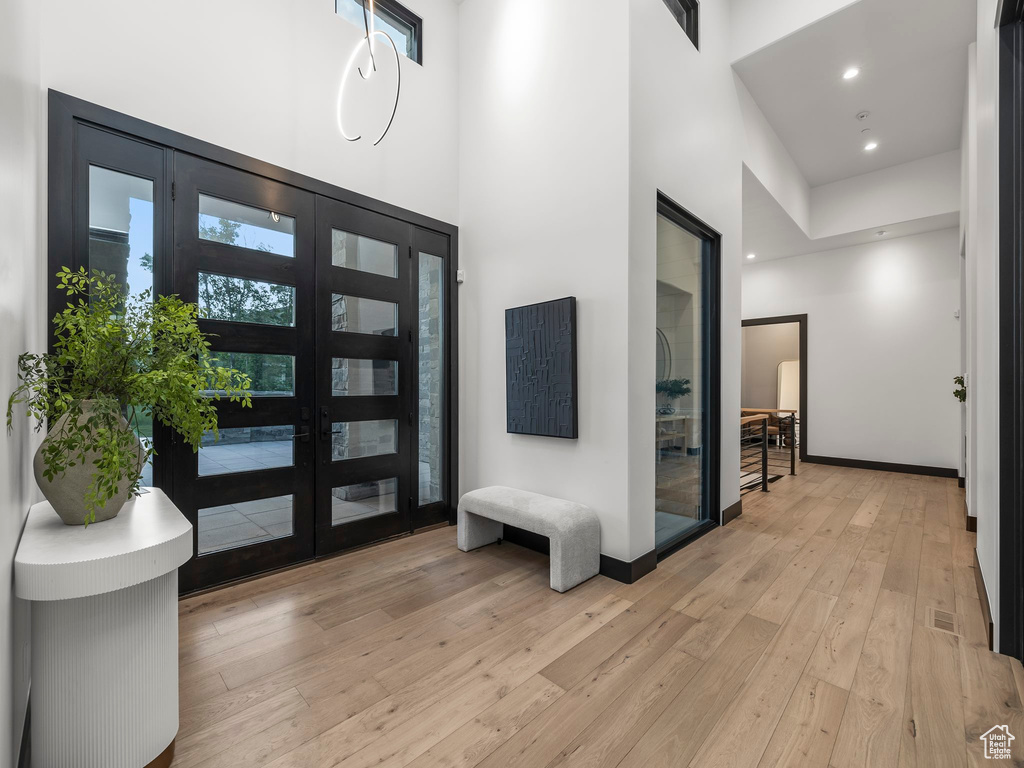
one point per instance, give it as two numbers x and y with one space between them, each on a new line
540 369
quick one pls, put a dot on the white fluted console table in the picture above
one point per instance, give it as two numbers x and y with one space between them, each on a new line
104 633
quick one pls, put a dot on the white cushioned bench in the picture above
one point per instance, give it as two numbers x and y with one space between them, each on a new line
572 529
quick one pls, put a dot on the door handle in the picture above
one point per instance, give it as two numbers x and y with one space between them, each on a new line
325 423
303 436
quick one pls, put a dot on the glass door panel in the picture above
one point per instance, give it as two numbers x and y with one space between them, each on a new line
432 364
243 226
243 449
681 504
244 251
119 229
239 300
121 244
121 237
244 523
363 254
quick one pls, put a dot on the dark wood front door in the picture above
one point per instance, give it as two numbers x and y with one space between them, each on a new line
337 314
364 377
339 307
244 251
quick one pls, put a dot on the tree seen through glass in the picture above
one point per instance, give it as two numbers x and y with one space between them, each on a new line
248 301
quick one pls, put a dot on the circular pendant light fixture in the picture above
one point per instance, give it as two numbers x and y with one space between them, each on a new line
369 38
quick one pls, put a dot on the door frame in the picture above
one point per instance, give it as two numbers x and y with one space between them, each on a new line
711 373
802 321
1011 329
65 116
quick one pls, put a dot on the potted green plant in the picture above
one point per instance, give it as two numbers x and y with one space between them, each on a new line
672 389
117 359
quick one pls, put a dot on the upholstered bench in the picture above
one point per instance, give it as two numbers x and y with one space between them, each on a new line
572 529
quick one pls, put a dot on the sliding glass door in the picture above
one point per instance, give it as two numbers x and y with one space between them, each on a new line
686 301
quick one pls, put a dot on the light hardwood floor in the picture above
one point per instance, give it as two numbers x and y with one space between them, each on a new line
795 636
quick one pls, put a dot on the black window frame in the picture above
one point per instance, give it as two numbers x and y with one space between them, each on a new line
687 14
711 373
404 16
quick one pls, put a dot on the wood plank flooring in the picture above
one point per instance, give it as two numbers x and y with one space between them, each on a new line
798 635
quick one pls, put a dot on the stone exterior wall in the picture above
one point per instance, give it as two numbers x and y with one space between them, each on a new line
431 375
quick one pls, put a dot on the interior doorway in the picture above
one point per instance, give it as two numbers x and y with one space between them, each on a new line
773 386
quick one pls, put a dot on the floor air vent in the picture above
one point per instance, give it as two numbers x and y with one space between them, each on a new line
944 621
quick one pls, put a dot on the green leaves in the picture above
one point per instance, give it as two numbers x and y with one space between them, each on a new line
121 353
673 388
960 393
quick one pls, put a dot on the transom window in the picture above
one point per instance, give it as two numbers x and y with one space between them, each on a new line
687 13
404 26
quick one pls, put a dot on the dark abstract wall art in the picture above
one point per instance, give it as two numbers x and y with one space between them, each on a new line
540 369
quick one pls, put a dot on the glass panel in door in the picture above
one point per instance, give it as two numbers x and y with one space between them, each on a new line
430 369
680 506
119 193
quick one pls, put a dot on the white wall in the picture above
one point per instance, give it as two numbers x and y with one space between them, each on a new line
560 198
883 345
769 160
261 77
544 189
759 23
21 318
686 138
915 190
983 306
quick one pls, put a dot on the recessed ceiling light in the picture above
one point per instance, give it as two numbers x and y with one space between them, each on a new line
751 255
851 73
870 146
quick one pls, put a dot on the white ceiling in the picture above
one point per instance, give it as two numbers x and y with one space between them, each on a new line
913 60
770 233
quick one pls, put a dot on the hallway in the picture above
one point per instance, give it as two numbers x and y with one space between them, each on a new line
797 635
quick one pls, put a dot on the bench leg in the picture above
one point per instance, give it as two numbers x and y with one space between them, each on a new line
476 531
574 560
